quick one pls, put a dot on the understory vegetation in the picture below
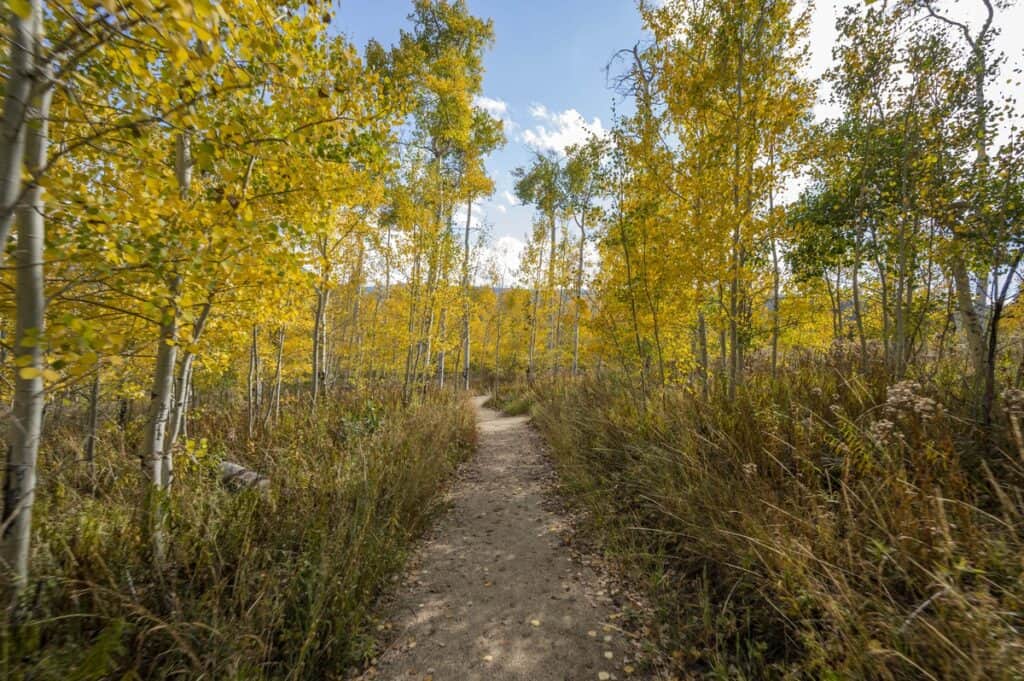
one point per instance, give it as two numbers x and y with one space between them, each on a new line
825 524
255 583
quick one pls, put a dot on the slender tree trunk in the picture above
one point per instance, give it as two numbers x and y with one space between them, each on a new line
156 462
157 465
702 352
441 354
970 322
641 355
466 299
497 346
183 387
858 311
318 321
531 364
325 369
94 412
274 408
579 303
254 379
552 331
27 411
776 269
24 38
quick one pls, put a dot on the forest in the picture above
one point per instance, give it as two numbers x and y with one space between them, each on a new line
773 358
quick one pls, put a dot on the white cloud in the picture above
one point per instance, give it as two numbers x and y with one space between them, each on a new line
496 107
539 111
503 255
502 209
558 131
510 198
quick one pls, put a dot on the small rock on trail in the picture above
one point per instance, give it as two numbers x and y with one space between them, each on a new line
494 594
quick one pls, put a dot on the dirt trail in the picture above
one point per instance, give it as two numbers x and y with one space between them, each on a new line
494 594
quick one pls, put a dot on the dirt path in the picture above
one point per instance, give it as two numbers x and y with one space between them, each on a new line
494 594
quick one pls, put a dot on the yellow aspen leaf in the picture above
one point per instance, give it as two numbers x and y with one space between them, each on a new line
29 373
20 7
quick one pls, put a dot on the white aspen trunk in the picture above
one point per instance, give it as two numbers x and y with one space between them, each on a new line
156 463
274 407
253 380
324 338
441 354
317 323
18 92
465 300
27 411
497 346
552 330
183 388
531 365
155 458
579 304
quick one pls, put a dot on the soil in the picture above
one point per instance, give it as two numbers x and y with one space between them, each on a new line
495 592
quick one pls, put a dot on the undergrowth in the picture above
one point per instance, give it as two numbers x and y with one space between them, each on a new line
515 399
823 525
255 585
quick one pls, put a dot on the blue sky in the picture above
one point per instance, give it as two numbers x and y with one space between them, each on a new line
546 69
545 75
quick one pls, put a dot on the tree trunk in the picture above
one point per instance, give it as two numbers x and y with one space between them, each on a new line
274 407
531 364
156 460
94 401
183 387
497 346
552 337
253 382
702 352
27 411
441 354
18 91
318 320
466 285
579 302
969 321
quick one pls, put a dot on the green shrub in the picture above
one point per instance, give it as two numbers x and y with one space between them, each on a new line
515 400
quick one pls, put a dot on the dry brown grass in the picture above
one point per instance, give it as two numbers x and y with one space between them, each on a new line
824 525
255 586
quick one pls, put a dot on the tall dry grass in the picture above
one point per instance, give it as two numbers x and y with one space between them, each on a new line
823 525
255 586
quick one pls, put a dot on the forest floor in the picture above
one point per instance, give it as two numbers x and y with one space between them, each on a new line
497 591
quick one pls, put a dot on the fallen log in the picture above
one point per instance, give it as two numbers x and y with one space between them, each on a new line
240 478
